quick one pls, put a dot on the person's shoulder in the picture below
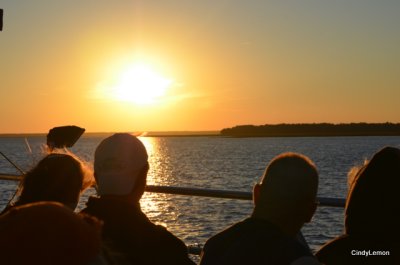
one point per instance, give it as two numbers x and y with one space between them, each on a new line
337 249
170 246
158 234
249 231
224 236
164 235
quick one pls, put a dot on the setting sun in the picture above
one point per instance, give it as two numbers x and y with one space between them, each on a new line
140 84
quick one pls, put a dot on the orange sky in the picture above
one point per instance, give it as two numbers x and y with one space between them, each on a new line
228 63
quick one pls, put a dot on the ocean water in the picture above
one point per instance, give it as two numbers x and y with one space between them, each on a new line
217 163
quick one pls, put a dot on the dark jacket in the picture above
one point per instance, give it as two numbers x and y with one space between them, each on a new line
128 231
252 241
372 217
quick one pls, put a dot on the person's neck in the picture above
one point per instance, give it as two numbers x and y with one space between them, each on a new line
287 225
124 198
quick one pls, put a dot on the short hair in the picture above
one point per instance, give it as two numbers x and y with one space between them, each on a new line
289 182
57 177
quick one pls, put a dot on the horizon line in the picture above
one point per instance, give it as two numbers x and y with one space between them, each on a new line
183 132
136 133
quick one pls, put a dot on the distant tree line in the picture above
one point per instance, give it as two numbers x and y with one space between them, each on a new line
314 129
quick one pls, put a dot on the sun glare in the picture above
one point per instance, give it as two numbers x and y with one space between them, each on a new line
140 84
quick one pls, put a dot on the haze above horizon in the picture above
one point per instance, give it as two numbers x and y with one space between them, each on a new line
197 65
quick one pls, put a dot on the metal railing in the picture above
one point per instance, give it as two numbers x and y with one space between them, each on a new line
229 194
226 194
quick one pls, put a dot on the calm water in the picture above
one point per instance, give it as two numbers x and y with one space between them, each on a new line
218 163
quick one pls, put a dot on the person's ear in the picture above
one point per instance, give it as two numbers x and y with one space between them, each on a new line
256 193
141 181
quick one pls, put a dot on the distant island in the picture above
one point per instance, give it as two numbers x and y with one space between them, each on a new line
313 129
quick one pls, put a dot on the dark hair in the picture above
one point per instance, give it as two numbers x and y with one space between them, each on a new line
57 177
48 233
372 205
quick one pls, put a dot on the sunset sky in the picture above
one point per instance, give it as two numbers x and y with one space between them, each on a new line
197 65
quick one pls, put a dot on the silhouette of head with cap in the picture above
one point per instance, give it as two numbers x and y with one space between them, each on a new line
120 166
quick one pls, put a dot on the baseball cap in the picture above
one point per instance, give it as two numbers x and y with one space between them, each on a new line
118 161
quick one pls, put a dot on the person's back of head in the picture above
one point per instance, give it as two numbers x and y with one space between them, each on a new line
371 214
57 177
120 166
288 190
372 205
48 233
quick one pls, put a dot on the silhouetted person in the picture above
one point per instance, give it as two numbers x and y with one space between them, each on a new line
57 177
284 200
49 233
372 216
120 169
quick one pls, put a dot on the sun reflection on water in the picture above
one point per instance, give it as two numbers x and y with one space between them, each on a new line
156 206
151 145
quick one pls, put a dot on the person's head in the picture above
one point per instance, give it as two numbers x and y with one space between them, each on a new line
48 233
57 177
372 204
120 166
288 190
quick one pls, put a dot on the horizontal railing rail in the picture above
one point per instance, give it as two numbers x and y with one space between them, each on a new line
10 177
227 194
